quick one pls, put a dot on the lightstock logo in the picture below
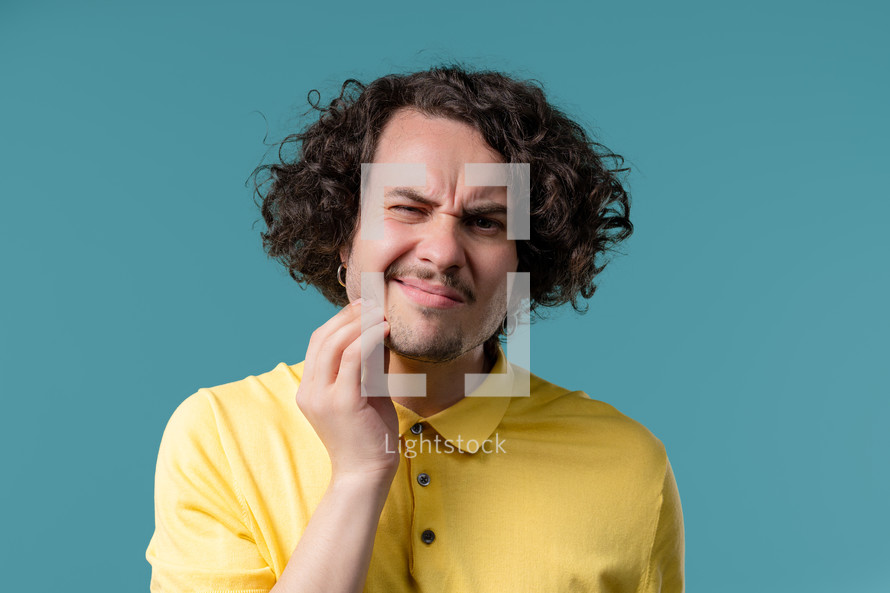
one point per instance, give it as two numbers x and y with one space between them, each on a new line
410 448
515 177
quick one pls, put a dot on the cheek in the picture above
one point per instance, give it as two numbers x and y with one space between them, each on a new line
502 263
396 242
495 289
498 274
380 255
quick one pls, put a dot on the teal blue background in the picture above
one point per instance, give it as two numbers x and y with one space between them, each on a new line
746 325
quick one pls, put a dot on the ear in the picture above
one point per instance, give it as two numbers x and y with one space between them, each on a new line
344 255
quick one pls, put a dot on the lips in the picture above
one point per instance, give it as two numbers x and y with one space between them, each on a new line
436 289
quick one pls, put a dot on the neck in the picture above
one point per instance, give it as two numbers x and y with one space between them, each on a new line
444 380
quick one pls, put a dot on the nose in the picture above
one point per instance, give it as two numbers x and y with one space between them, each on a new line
441 243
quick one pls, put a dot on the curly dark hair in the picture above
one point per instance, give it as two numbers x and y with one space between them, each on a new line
579 209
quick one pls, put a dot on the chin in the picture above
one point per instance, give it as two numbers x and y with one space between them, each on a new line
438 348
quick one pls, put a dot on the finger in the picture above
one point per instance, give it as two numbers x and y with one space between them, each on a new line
327 364
322 333
315 363
356 354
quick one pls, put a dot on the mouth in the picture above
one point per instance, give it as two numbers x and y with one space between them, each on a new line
429 295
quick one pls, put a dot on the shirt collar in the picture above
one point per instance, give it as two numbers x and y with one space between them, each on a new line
472 420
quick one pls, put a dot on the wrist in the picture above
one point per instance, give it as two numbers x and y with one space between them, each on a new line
367 481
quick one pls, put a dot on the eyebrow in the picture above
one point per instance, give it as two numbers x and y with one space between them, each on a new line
412 194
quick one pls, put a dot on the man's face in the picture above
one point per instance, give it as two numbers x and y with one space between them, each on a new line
433 243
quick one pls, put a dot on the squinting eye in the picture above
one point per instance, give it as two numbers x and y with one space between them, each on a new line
487 224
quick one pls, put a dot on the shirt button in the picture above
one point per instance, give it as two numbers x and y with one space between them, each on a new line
428 536
417 428
423 479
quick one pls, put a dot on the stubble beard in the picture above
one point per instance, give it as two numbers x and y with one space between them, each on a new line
442 340
441 345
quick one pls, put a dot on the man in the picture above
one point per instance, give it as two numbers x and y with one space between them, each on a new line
293 480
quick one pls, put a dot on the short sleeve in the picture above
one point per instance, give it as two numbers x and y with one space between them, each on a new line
201 542
666 566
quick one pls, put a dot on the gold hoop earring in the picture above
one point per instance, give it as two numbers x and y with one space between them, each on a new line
342 282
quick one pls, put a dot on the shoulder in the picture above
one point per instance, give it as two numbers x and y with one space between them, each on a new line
272 388
591 423
263 393
212 415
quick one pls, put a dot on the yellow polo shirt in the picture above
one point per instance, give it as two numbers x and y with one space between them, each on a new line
550 492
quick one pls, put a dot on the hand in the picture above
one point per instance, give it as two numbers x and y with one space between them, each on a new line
359 433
